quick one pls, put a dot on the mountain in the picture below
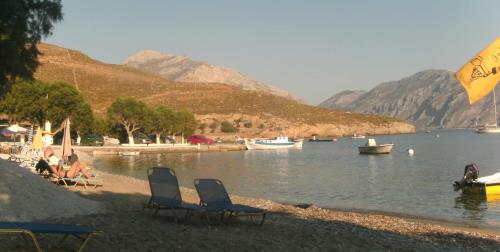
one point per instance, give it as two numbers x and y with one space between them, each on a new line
264 114
185 69
342 99
431 98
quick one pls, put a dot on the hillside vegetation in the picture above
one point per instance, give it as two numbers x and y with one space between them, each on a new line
102 83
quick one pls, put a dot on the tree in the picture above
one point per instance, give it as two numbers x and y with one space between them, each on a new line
65 101
83 120
37 101
23 23
101 126
185 123
129 113
27 101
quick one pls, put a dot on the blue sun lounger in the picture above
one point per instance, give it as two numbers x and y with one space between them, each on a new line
165 193
84 233
213 195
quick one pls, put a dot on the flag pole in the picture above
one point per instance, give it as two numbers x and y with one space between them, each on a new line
495 106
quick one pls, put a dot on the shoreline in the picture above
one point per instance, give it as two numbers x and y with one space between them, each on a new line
88 157
128 227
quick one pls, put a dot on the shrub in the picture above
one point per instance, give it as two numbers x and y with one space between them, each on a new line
227 127
213 126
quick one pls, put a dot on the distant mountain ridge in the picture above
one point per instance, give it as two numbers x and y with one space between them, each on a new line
185 69
431 98
342 100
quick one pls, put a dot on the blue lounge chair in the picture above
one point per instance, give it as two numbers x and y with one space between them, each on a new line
213 195
165 192
31 229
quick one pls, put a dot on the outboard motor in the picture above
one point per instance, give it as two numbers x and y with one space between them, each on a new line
471 172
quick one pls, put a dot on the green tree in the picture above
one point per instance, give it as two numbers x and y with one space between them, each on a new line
166 119
83 120
160 120
37 101
185 123
129 113
65 101
101 126
27 101
23 23
227 127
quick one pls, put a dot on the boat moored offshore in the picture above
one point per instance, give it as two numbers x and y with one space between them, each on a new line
471 183
371 147
273 143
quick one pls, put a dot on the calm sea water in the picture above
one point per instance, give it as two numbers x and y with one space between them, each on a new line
335 175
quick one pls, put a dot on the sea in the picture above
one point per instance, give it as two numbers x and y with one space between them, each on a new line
335 175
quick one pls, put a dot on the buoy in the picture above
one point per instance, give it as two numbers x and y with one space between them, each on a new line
411 152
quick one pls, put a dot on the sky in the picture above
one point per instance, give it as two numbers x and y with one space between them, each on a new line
312 49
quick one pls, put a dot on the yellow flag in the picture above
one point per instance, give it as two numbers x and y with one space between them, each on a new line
482 73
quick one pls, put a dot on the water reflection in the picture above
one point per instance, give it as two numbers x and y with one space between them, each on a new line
474 206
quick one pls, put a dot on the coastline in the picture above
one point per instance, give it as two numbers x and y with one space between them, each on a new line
127 227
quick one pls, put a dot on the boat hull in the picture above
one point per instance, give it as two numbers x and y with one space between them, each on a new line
490 190
378 149
255 145
488 131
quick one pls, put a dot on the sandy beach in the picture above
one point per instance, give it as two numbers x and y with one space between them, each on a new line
127 226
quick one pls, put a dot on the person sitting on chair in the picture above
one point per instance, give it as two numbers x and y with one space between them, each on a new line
56 166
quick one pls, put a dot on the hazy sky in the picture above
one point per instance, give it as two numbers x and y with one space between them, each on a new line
310 48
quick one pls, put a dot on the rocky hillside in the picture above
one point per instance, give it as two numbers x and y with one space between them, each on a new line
342 100
431 98
263 114
185 69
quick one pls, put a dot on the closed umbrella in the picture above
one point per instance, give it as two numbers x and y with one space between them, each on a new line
66 140
37 140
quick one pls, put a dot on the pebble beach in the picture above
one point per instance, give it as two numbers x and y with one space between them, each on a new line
116 210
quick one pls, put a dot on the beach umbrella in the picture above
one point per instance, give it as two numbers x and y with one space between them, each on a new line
66 140
37 140
7 133
17 129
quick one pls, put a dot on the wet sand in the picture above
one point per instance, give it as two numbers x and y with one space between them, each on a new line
127 227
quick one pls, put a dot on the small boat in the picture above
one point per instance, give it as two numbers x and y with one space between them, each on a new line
488 128
273 143
471 183
314 139
128 153
371 147
358 136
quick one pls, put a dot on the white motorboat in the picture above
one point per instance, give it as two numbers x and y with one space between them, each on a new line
358 136
488 128
372 147
273 143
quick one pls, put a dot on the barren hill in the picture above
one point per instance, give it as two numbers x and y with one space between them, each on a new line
269 114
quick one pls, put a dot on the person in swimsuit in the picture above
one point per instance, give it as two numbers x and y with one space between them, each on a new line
56 166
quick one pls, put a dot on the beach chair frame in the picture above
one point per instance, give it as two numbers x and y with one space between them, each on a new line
27 232
173 203
225 204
